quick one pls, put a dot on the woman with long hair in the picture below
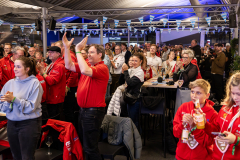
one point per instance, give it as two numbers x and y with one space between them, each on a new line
21 101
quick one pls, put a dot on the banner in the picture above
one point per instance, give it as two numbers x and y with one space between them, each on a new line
224 16
177 29
213 31
11 27
115 30
65 30
116 22
226 31
96 21
135 30
71 31
216 27
151 18
150 29
161 30
123 30
97 31
83 34
112 33
208 19
136 36
63 26
142 31
219 30
55 32
118 33
141 20
223 27
199 30
22 28
183 27
153 29
33 26
61 30
37 32
231 30
192 22
128 22
178 23
141 35
85 27
191 29
74 29
169 31
164 21
1 22
109 30
90 32
48 30
79 31
31 30
104 20
207 29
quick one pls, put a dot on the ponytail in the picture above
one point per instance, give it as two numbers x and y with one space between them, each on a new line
29 63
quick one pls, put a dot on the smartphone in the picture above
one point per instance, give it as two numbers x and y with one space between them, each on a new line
218 134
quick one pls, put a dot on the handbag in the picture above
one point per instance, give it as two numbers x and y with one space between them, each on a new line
129 98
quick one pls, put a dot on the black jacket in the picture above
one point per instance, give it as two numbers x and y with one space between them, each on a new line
188 75
127 56
197 52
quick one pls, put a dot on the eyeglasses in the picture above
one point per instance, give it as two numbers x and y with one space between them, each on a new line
7 48
185 57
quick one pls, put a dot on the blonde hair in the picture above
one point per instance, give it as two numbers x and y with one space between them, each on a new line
189 52
109 52
205 85
234 80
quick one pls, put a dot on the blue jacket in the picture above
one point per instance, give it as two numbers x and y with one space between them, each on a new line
27 105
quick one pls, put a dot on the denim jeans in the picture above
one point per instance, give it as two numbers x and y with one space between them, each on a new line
89 123
23 137
133 113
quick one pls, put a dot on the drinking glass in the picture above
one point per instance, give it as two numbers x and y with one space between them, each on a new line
49 141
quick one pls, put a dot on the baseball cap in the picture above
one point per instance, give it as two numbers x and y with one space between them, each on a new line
228 44
55 48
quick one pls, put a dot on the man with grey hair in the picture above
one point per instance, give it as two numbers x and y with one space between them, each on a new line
32 52
7 65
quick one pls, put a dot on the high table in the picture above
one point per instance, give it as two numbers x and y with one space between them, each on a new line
149 83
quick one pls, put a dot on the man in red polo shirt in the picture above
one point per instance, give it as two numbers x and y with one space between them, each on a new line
91 92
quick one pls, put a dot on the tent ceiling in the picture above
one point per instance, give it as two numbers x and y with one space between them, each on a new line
11 11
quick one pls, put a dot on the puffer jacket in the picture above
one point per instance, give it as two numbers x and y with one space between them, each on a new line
121 129
114 105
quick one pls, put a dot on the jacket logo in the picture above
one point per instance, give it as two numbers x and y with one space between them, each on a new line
68 145
55 71
76 138
224 115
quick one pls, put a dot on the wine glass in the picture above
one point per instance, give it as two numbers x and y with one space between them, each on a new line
49 141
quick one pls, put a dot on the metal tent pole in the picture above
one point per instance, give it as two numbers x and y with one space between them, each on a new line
101 32
44 30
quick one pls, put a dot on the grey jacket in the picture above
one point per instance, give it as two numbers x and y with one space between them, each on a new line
122 129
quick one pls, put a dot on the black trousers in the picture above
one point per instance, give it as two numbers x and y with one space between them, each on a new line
115 84
217 86
89 123
55 111
70 105
23 137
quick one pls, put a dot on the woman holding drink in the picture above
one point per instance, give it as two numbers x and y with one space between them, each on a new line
185 71
194 143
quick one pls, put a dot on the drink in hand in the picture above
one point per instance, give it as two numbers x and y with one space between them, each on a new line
199 117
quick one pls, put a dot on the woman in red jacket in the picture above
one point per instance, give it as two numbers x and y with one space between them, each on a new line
228 123
199 143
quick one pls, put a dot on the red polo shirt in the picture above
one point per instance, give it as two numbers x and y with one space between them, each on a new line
91 90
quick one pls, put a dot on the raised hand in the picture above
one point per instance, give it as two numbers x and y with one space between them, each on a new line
65 41
81 45
7 97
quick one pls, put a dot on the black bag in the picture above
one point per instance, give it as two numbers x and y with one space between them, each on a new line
150 99
129 98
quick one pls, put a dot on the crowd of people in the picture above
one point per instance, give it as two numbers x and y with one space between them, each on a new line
81 77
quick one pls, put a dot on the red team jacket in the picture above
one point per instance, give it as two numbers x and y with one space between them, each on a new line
56 82
6 70
71 77
72 147
224 116
203 150
4 138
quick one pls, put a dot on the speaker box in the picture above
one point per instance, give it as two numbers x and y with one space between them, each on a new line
38 25
232 20
52 24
